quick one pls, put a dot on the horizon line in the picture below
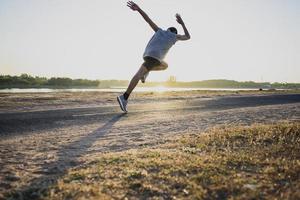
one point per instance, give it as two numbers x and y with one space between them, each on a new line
176 81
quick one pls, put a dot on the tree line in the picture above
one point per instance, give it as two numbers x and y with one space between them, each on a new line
223 83
27 81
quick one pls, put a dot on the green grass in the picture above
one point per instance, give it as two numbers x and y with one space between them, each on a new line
256 162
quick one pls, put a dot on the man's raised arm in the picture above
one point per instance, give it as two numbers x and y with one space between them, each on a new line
186 35
135 7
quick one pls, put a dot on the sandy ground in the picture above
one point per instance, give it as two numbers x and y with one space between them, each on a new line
43 135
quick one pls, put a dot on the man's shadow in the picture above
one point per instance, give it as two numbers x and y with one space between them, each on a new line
67 157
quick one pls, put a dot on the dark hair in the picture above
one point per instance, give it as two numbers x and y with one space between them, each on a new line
173 30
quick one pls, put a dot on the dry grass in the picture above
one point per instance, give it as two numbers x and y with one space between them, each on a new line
256 162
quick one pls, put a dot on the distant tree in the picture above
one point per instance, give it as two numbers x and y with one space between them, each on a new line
60 82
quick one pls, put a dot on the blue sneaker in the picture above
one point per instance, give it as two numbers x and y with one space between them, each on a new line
123 102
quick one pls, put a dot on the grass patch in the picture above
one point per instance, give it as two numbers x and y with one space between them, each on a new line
256 162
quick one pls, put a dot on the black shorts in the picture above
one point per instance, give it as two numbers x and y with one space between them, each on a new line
151 62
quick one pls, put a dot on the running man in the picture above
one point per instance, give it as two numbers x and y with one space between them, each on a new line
155 52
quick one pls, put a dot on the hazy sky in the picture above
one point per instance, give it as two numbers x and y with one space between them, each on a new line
232 39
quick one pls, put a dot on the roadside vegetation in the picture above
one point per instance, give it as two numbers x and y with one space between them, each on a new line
256 162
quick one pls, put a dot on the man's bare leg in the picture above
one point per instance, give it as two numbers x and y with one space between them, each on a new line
136 78
122 99
162 66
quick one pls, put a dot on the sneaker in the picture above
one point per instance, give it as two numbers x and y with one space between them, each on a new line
123 102
143 79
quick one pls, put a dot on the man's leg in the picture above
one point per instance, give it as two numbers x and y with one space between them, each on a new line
162 66
134 81
122 99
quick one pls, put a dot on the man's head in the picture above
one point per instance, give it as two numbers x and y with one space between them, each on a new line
173 30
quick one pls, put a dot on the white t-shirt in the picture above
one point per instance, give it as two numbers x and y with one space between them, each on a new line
160 44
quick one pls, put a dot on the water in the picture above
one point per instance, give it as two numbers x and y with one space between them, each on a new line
118 89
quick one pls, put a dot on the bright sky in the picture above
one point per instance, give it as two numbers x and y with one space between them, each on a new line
234 39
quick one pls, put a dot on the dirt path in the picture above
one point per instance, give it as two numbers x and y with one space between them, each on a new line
38 147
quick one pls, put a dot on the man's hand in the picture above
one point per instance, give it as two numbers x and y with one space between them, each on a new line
133 6
179 19
186 35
